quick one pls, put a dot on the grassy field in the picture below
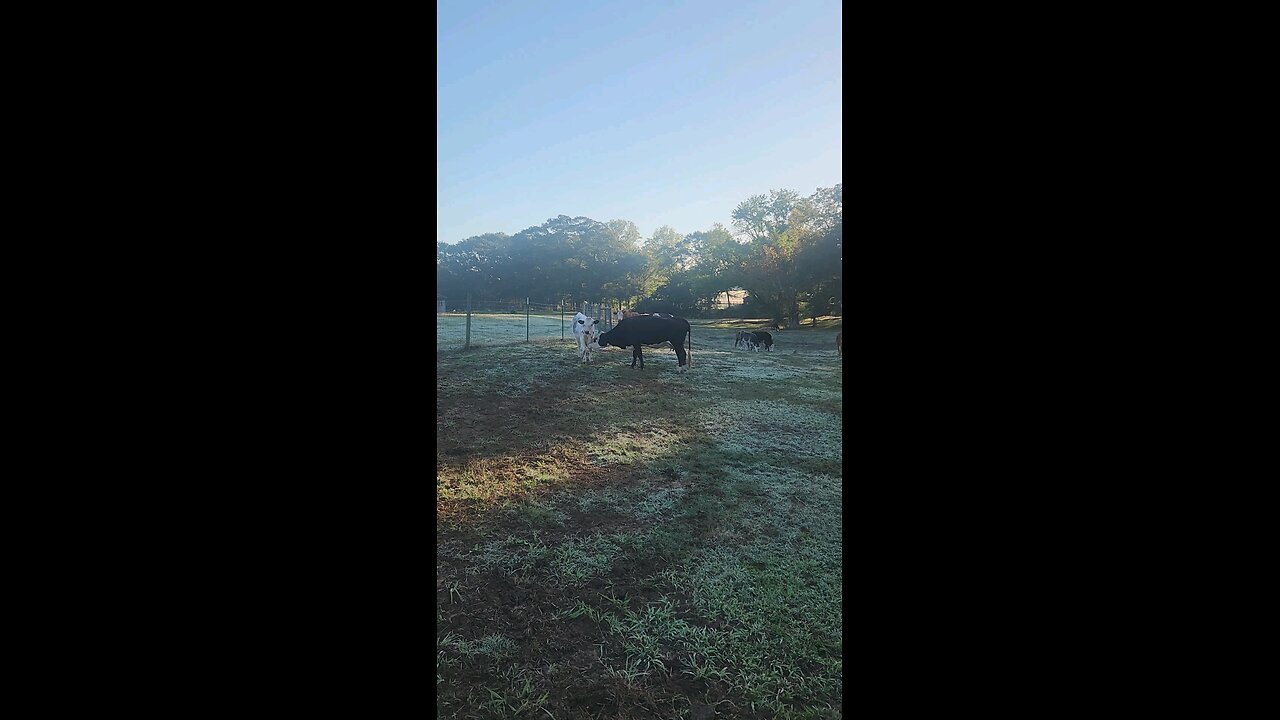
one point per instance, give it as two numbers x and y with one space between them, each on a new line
497 329
623 544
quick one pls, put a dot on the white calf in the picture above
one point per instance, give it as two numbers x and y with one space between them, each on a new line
584 331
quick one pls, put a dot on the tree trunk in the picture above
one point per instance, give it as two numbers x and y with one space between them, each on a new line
795 312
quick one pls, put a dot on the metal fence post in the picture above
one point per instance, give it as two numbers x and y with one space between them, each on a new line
467 346
526 319
561 321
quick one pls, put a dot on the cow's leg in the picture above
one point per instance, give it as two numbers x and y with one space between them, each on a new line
635 355
680 357
640 355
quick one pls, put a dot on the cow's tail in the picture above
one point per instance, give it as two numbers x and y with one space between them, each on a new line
689 352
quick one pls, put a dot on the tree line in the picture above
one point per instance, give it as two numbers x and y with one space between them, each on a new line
785 250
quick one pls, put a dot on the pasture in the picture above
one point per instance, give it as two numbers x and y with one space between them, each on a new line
614 543
498 328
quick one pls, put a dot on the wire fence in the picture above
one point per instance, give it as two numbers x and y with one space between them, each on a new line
500 322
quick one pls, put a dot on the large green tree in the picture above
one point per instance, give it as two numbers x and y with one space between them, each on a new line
770 272
631 271
574 258
625 232
819 228
787 254
473 266
795 249
720 262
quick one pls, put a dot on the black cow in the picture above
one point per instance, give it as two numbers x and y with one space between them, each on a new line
762 338
651 330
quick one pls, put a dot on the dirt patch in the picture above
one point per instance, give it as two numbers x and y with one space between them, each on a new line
556 655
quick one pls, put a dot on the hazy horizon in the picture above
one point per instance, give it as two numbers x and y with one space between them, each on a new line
661 114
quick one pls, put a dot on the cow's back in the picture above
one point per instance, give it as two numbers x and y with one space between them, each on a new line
650 330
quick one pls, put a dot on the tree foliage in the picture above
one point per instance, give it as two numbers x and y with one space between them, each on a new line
785 250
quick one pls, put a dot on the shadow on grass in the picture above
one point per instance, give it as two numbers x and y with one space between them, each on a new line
618 543
704 586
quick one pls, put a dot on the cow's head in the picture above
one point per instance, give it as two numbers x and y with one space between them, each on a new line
587 326
601 340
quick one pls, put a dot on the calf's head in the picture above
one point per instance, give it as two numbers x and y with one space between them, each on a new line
602 340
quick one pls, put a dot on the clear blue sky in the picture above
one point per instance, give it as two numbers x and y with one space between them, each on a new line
662 113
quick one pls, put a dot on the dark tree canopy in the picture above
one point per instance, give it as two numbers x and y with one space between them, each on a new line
785 250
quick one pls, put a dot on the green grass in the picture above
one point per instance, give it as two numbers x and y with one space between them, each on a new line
498 329
627 544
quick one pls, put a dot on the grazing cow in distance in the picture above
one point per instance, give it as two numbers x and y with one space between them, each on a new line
762 339
839 350
651 330
742 338
584 331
